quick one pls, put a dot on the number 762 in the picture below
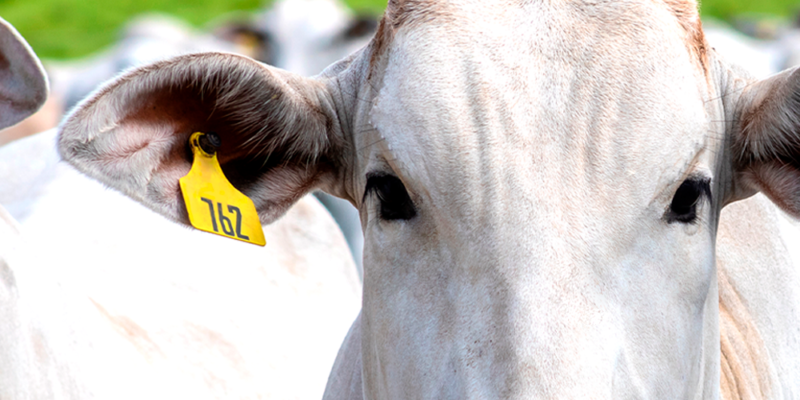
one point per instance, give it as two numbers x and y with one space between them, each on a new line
227 226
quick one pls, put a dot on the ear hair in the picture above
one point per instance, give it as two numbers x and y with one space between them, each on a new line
766 144
278 131
769 120
235 92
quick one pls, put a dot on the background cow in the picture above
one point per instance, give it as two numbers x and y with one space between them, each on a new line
100 298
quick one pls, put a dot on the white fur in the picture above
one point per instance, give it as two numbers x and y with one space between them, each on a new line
128 305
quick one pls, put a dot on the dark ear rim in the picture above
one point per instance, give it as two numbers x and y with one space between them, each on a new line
33 82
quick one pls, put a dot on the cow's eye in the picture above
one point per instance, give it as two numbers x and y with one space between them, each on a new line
688 196
395 204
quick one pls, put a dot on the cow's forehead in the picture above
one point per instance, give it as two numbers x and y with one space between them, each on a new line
544 87
409 13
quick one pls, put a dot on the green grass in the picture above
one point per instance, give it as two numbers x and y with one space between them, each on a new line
73 28
727 9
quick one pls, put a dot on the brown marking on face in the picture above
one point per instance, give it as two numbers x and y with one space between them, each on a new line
744 368
689 18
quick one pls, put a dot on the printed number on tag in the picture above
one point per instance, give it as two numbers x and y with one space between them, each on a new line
213 204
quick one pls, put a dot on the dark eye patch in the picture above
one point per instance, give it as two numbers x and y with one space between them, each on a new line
684 204
395 203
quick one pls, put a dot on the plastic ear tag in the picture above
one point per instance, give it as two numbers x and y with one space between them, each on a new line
214 205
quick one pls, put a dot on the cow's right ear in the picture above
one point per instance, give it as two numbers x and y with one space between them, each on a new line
23 87
280 133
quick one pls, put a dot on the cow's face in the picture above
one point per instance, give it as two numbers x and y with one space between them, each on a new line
560 163
539 185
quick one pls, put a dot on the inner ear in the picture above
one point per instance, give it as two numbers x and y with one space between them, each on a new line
277 132
257 124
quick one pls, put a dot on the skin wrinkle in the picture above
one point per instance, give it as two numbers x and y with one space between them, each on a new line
745 370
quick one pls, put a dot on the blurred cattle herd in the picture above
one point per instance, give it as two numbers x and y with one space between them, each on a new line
93 243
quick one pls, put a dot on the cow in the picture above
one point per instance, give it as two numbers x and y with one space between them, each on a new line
96 303
559 199
131 307
116 312
105 307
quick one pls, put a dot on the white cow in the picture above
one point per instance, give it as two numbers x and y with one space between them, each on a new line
541 186
130 305
96 302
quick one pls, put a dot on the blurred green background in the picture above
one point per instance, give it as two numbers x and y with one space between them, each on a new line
60 29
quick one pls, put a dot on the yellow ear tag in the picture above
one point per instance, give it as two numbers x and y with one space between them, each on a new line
214 205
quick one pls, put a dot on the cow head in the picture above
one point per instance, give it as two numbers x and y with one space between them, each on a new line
539 184
23 87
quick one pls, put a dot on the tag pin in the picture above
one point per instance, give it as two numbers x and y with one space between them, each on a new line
209 143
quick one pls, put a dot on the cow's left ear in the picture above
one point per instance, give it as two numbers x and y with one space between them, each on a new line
280 134
23 87
766 140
